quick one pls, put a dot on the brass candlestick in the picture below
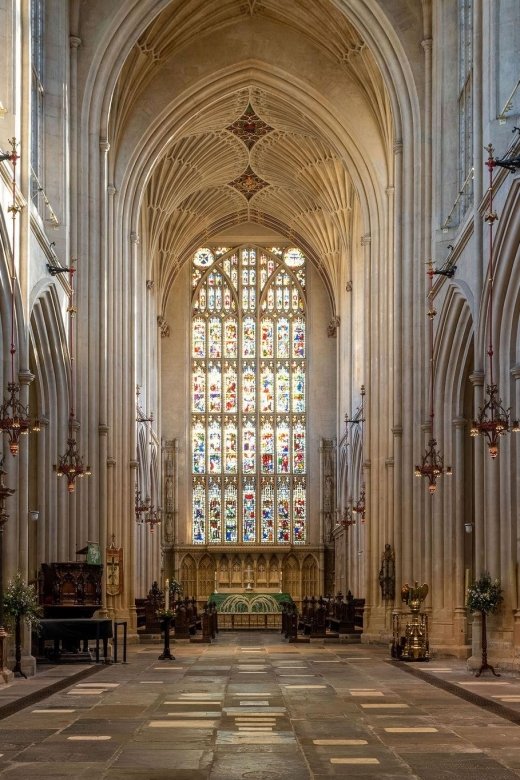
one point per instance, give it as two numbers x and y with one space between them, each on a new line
416 642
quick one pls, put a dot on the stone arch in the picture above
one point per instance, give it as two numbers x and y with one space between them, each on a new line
55 535
224 571
453 365
310 576
188 569
206 578
291 576
274 571
262 572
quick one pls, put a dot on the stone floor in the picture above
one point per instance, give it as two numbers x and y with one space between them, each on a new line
252 706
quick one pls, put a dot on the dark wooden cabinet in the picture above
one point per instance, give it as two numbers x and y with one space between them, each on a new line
70 589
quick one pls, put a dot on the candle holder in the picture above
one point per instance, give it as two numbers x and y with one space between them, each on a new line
165 619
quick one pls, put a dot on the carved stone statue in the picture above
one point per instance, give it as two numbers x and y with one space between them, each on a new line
387 574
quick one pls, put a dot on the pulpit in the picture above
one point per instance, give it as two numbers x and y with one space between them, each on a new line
70 589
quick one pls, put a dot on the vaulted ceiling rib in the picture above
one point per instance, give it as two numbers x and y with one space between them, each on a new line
251 154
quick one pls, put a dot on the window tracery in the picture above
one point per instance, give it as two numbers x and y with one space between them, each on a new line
248 399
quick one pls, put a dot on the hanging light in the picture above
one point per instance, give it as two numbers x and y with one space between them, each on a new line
145 510
14 415
359 507
141 506
432 466
347 520
71 465
493 419
153 517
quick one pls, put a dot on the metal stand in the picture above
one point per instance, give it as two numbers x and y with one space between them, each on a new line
18 648
166 655
118 623
484 665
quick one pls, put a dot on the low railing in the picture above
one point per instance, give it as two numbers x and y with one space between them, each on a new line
229 621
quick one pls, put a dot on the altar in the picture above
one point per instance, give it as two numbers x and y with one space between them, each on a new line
249 608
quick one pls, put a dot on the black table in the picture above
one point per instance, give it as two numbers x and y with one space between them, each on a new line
72 631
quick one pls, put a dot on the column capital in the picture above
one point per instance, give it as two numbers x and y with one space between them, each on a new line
477 378
515 371
74 41
459 422
427 44
398 146
366 239
104 145
25 377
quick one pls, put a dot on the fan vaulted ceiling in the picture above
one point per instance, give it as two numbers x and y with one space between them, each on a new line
250 155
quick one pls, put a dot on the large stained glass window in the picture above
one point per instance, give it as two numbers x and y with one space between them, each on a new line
248 396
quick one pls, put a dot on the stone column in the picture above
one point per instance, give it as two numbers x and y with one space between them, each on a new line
477 380
515 489
459 486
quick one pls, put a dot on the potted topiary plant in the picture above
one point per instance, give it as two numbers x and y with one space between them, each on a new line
485 596
21 603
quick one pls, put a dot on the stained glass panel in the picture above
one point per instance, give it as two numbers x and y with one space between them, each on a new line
203 258
230 389
249 448
299 448
267 448
202 299
282 340
282 389
267 513
230 338
215 512
249 513
248 400
228 299
298 338
298 388
299 514
199 513
215 337
230 448
267 389
283 522
282 447
198 446
230 266
199 338
293 257
248 388
215 447
266 339
214 388
248 338
199 389
230 509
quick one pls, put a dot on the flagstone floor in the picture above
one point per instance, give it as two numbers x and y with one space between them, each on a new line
252 706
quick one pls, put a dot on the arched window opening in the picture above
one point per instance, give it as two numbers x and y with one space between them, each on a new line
248 396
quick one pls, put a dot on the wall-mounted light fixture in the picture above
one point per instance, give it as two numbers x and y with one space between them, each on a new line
493 420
